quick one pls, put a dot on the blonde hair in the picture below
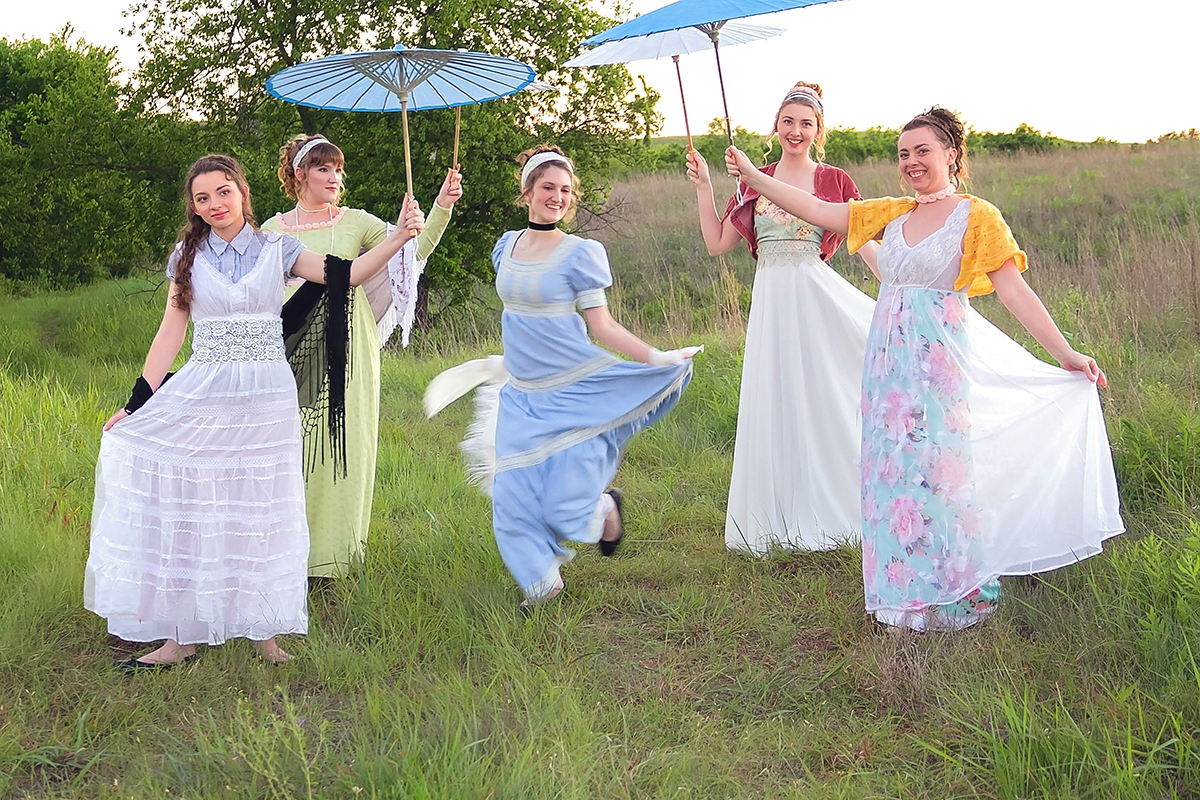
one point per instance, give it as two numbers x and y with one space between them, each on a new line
522 200
800 94
323 152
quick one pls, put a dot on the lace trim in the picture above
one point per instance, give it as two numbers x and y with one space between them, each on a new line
566 377
237 340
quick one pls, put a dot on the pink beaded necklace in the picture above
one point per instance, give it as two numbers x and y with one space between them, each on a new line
335 216
948 190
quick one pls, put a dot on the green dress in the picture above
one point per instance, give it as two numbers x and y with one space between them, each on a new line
339 512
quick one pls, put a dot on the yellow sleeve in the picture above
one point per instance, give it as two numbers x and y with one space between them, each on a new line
868 218
435 226
988 246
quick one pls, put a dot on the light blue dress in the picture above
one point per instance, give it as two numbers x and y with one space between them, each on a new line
567 411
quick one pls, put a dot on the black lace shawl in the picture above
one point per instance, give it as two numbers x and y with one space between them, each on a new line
316 337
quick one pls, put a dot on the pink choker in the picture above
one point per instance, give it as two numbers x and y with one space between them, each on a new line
947 191
334 218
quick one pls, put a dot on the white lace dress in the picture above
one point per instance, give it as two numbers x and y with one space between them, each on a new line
198 528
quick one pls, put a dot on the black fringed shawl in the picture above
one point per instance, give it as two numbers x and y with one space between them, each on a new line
316 337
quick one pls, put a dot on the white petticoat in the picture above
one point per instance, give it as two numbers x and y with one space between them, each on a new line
198 529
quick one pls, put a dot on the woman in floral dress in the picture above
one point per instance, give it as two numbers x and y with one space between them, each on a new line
978 460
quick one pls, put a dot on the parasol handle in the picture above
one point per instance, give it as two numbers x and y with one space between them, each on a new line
407 149
683 99
715 36
457 127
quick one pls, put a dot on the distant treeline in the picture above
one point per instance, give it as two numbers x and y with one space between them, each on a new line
847 146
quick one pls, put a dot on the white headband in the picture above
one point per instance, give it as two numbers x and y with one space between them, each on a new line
541 158
309 145
807 94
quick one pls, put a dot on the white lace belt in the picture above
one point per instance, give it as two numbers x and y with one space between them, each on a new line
772 247
238 339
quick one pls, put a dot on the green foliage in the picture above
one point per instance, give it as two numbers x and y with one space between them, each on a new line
89 184
211 59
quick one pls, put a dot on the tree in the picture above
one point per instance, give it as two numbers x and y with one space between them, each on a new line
90 187
211 58
642 113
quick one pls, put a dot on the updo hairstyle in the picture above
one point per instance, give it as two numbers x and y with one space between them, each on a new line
950 131
522 200
325 152
818 142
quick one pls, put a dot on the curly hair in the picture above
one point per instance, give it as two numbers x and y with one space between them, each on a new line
951 132
325 152
195 230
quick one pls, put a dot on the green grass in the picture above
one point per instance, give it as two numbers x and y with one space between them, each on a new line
676 669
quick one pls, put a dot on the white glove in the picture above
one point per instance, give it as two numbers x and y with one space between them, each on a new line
660 358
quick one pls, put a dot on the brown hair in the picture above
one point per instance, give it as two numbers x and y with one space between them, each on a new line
195 229
522 199
950 131
326 152
819 140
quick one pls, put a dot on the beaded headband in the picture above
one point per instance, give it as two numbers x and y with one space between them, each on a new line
309 145
542 158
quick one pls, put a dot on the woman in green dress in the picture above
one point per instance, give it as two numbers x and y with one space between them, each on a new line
311 171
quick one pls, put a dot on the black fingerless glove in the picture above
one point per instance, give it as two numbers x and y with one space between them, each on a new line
141 393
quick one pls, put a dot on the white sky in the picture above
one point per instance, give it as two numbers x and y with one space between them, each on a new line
1123 70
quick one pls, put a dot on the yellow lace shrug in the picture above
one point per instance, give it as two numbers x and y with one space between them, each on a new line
987 246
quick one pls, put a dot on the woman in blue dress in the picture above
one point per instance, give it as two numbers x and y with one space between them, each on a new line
565 408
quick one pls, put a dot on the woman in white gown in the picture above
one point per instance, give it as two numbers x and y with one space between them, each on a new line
978 460
795 475
198 527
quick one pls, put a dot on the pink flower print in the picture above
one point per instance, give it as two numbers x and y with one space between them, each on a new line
899 416
865 405
958 417
968 522
888 470
870 562
949 472
955 572
765 208
906 521
870 507
899 573
942 369
954 312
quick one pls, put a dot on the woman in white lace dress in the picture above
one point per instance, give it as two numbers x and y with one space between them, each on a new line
978 460
198 528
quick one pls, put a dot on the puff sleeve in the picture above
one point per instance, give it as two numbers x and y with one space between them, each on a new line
868 218
987 246
498 250
590 274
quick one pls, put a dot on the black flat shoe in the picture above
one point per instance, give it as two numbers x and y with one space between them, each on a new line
608 547
132 664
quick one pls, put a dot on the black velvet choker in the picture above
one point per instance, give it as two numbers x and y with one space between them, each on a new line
542 226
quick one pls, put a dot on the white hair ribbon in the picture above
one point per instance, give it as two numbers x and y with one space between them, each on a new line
309 145
537 160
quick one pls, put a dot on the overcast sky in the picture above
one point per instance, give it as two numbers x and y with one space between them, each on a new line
1080 70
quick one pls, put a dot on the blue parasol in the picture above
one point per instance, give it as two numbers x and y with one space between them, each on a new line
709 16
673 43
400 79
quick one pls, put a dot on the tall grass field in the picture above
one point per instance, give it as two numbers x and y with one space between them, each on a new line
677 669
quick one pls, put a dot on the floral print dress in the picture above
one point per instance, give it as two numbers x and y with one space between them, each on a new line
925 563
